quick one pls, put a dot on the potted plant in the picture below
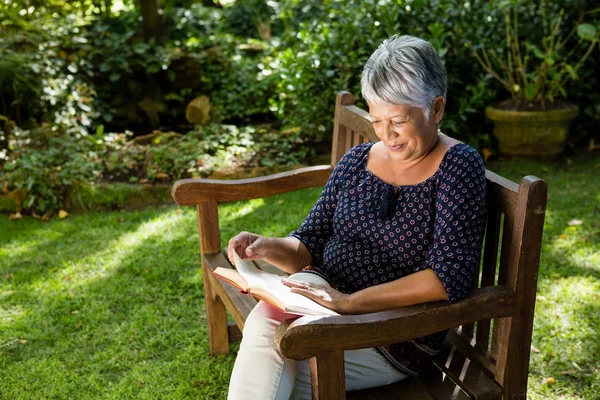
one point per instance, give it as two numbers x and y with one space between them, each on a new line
535 68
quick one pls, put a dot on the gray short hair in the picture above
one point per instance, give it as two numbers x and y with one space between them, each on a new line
404 70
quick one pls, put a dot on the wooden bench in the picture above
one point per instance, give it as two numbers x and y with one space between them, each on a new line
486 353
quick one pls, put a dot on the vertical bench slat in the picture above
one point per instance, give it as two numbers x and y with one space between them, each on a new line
357 139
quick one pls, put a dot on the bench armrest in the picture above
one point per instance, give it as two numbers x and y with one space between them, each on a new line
187 192
308 336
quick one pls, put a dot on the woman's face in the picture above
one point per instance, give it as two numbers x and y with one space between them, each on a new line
405 132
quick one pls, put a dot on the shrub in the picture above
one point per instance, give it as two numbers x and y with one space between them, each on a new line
47 162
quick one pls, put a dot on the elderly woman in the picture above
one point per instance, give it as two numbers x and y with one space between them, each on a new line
399 222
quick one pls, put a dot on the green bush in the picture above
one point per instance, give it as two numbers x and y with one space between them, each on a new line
46 162
325 45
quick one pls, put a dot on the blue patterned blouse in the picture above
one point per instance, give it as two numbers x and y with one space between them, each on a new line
363 232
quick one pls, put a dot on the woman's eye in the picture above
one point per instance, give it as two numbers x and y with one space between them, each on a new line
398 123
375 122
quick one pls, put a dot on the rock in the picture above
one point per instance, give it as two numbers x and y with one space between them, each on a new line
198 111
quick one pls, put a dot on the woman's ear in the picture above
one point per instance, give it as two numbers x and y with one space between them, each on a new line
438 109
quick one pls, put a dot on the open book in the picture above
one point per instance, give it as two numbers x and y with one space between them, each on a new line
268 287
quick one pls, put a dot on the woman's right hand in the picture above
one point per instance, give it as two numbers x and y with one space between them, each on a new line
249 246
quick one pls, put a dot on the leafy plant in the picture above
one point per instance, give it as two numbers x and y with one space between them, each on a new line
535 69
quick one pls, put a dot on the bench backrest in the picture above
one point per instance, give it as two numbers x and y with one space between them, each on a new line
510 257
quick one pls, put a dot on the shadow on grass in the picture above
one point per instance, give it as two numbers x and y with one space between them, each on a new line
35 249
133 330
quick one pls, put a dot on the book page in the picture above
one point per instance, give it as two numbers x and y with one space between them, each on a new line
270 283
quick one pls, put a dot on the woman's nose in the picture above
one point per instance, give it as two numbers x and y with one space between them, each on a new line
390 133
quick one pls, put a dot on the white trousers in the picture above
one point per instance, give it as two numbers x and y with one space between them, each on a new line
261 372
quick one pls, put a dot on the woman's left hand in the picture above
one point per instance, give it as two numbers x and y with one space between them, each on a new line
325 295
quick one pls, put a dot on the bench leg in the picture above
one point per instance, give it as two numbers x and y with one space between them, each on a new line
216 318
327 376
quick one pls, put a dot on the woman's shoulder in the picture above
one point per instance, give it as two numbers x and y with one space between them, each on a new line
460 154
356 155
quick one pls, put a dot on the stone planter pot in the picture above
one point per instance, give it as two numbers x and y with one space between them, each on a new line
532 134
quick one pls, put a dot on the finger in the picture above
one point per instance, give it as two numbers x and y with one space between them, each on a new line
294 283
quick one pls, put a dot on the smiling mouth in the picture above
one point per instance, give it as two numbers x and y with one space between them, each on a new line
397 147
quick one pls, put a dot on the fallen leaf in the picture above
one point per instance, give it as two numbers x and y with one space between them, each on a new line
36 215
280 202
47 216
15 216
535 349
569 372
23 341
576 365
9 277
75 312
575 222
68 278
161 175
144 180
549 381
563 236
62 214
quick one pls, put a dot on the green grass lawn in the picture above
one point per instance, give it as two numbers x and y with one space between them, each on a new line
109 305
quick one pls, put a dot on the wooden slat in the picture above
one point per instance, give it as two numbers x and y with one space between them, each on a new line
506 263
358 120
467 374
440 386
338 144
238 304
306 337
357 139
501 194
233 332
188 192
327 376
348 140
488 270
474 352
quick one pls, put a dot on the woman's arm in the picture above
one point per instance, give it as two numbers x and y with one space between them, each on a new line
420 287
288 254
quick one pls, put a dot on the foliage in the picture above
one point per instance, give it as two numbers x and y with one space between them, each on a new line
535 67
47 163
323 55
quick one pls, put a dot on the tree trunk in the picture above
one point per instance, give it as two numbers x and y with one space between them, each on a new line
151 25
